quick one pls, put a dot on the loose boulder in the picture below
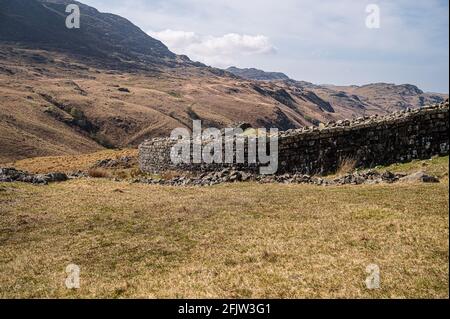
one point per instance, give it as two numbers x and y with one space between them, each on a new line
420 177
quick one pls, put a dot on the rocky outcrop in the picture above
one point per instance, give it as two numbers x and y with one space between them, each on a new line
323 105
259 75
14 175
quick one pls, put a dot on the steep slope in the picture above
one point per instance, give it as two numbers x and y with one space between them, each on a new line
56 105
52 104
106 38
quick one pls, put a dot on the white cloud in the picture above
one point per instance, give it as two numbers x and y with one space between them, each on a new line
315 40
219 51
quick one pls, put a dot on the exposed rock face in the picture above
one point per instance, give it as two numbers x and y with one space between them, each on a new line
255 74
369 141
243 126
325 106
13 175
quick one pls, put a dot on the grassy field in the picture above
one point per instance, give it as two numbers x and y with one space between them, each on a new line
437 166
231 241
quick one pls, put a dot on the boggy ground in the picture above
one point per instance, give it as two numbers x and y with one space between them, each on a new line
232 240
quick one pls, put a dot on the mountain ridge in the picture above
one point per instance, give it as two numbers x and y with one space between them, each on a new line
402 96
256 74
109 38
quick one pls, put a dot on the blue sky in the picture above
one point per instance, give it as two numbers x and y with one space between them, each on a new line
324 42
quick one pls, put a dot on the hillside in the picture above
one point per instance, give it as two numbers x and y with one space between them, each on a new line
61 106
106 39
391 96
108 84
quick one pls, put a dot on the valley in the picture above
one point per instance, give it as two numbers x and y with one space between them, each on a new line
365 183
76 91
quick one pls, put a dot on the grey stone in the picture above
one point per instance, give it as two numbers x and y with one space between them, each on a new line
56 177
13 175
420 177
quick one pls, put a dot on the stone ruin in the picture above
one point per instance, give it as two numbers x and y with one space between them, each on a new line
366 141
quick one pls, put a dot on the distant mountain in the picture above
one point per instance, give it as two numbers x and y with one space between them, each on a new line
259 75
385 96
108 38
391 97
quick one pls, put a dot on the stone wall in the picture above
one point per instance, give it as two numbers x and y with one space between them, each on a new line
368 142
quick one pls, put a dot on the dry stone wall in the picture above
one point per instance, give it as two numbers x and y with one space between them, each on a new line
367 142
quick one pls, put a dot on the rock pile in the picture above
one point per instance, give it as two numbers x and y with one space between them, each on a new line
420 177
232 176
14 175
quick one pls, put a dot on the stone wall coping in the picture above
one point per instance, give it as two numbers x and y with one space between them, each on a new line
341 126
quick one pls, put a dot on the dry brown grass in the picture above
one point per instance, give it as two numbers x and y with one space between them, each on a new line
346 165
436 166
134 240
69 163
98 173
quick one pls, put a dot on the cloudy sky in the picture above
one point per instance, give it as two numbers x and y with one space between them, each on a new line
324 42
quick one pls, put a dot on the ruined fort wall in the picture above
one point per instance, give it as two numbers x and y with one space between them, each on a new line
371 141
